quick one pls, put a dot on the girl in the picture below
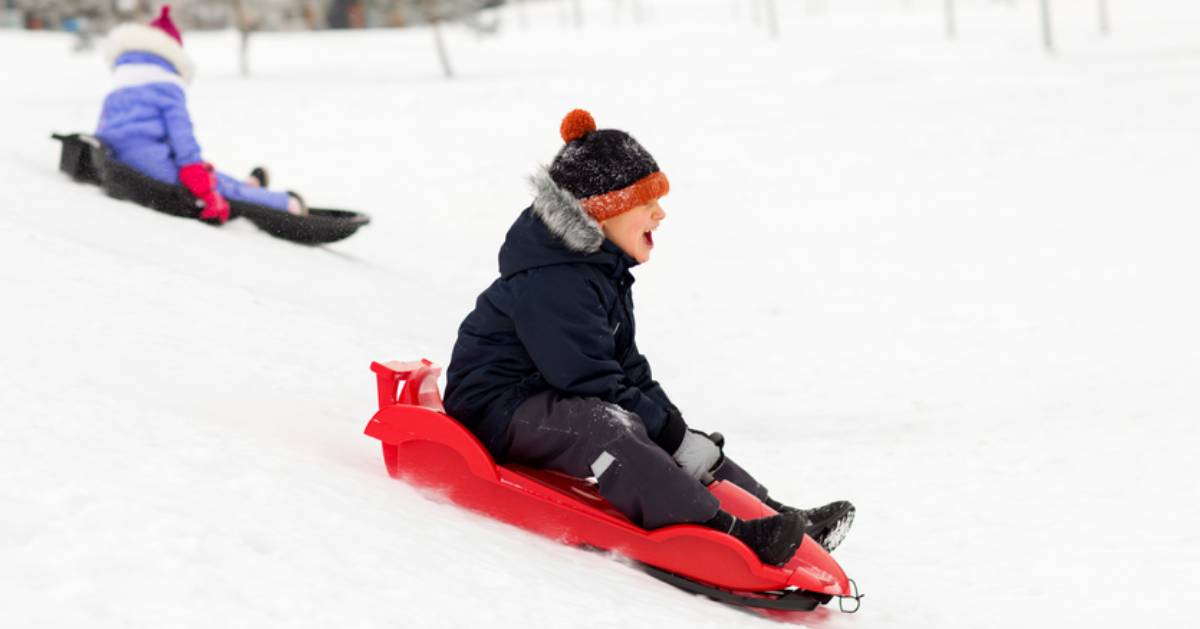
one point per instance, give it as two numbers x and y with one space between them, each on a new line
145 122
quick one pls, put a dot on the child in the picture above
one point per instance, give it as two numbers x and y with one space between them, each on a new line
546 370
146 125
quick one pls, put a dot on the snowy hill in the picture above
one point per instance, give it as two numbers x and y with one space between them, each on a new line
954 283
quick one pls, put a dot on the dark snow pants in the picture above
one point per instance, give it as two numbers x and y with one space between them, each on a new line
587 437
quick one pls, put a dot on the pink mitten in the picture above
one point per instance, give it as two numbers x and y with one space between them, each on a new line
201 180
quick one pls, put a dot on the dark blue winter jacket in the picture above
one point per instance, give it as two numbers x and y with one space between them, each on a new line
560 316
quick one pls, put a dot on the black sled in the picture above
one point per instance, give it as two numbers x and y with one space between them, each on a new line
86 160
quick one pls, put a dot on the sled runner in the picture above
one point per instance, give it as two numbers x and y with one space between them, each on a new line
85 159
424 446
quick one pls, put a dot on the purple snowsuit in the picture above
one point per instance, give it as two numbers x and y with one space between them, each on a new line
145 123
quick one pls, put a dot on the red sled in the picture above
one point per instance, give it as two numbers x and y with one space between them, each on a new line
427 448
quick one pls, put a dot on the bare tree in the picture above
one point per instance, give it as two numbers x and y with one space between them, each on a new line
772 18
438 12
433 13
951 19
246 24
765 11
1047 27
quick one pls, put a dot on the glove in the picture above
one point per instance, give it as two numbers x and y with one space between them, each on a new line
700 454
201 180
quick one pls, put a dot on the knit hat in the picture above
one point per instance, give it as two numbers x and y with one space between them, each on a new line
163 22
596 176
606 169
160 37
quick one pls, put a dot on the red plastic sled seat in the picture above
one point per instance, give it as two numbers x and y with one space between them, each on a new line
426 447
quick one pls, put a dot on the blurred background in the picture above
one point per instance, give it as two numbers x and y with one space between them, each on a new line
938 257
90 18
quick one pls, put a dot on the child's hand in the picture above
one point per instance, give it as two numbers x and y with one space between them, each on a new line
700 454
201 180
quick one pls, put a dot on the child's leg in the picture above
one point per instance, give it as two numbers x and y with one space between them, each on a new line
588 437
734 473
828 525
234 190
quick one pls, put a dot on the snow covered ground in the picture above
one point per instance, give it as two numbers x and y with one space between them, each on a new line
955 283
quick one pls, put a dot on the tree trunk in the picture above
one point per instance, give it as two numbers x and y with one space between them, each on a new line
244 27
951 20
433 16
772 18
1047 27
244 53
443 55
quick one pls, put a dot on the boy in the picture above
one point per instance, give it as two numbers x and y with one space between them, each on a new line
546 370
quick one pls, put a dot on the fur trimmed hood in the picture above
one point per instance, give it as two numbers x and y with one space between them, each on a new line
140 38
563 215
555 230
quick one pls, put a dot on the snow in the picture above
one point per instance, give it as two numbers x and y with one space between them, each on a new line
952 282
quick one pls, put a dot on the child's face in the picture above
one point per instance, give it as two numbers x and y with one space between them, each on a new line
631 230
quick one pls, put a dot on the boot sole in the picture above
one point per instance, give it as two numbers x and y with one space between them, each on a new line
837 533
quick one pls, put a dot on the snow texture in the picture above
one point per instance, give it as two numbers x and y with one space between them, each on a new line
954 283
615 415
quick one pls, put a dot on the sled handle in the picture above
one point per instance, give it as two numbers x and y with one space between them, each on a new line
420 384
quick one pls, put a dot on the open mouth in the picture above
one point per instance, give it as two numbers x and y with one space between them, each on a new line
649 238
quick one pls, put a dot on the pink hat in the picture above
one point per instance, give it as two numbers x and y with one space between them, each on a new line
159 37
164 23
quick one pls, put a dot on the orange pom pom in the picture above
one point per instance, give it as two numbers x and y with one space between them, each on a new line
576 124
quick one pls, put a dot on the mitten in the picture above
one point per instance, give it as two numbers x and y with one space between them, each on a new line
700 454
201 180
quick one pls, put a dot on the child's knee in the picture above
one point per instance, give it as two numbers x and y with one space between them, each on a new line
610 423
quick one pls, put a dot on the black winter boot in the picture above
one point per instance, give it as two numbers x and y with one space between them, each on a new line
778 506
829 524
774 539
260 175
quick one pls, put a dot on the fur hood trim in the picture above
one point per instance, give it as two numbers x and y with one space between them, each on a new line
140 38
563 215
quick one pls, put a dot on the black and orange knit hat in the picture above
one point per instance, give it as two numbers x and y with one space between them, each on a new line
606 170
